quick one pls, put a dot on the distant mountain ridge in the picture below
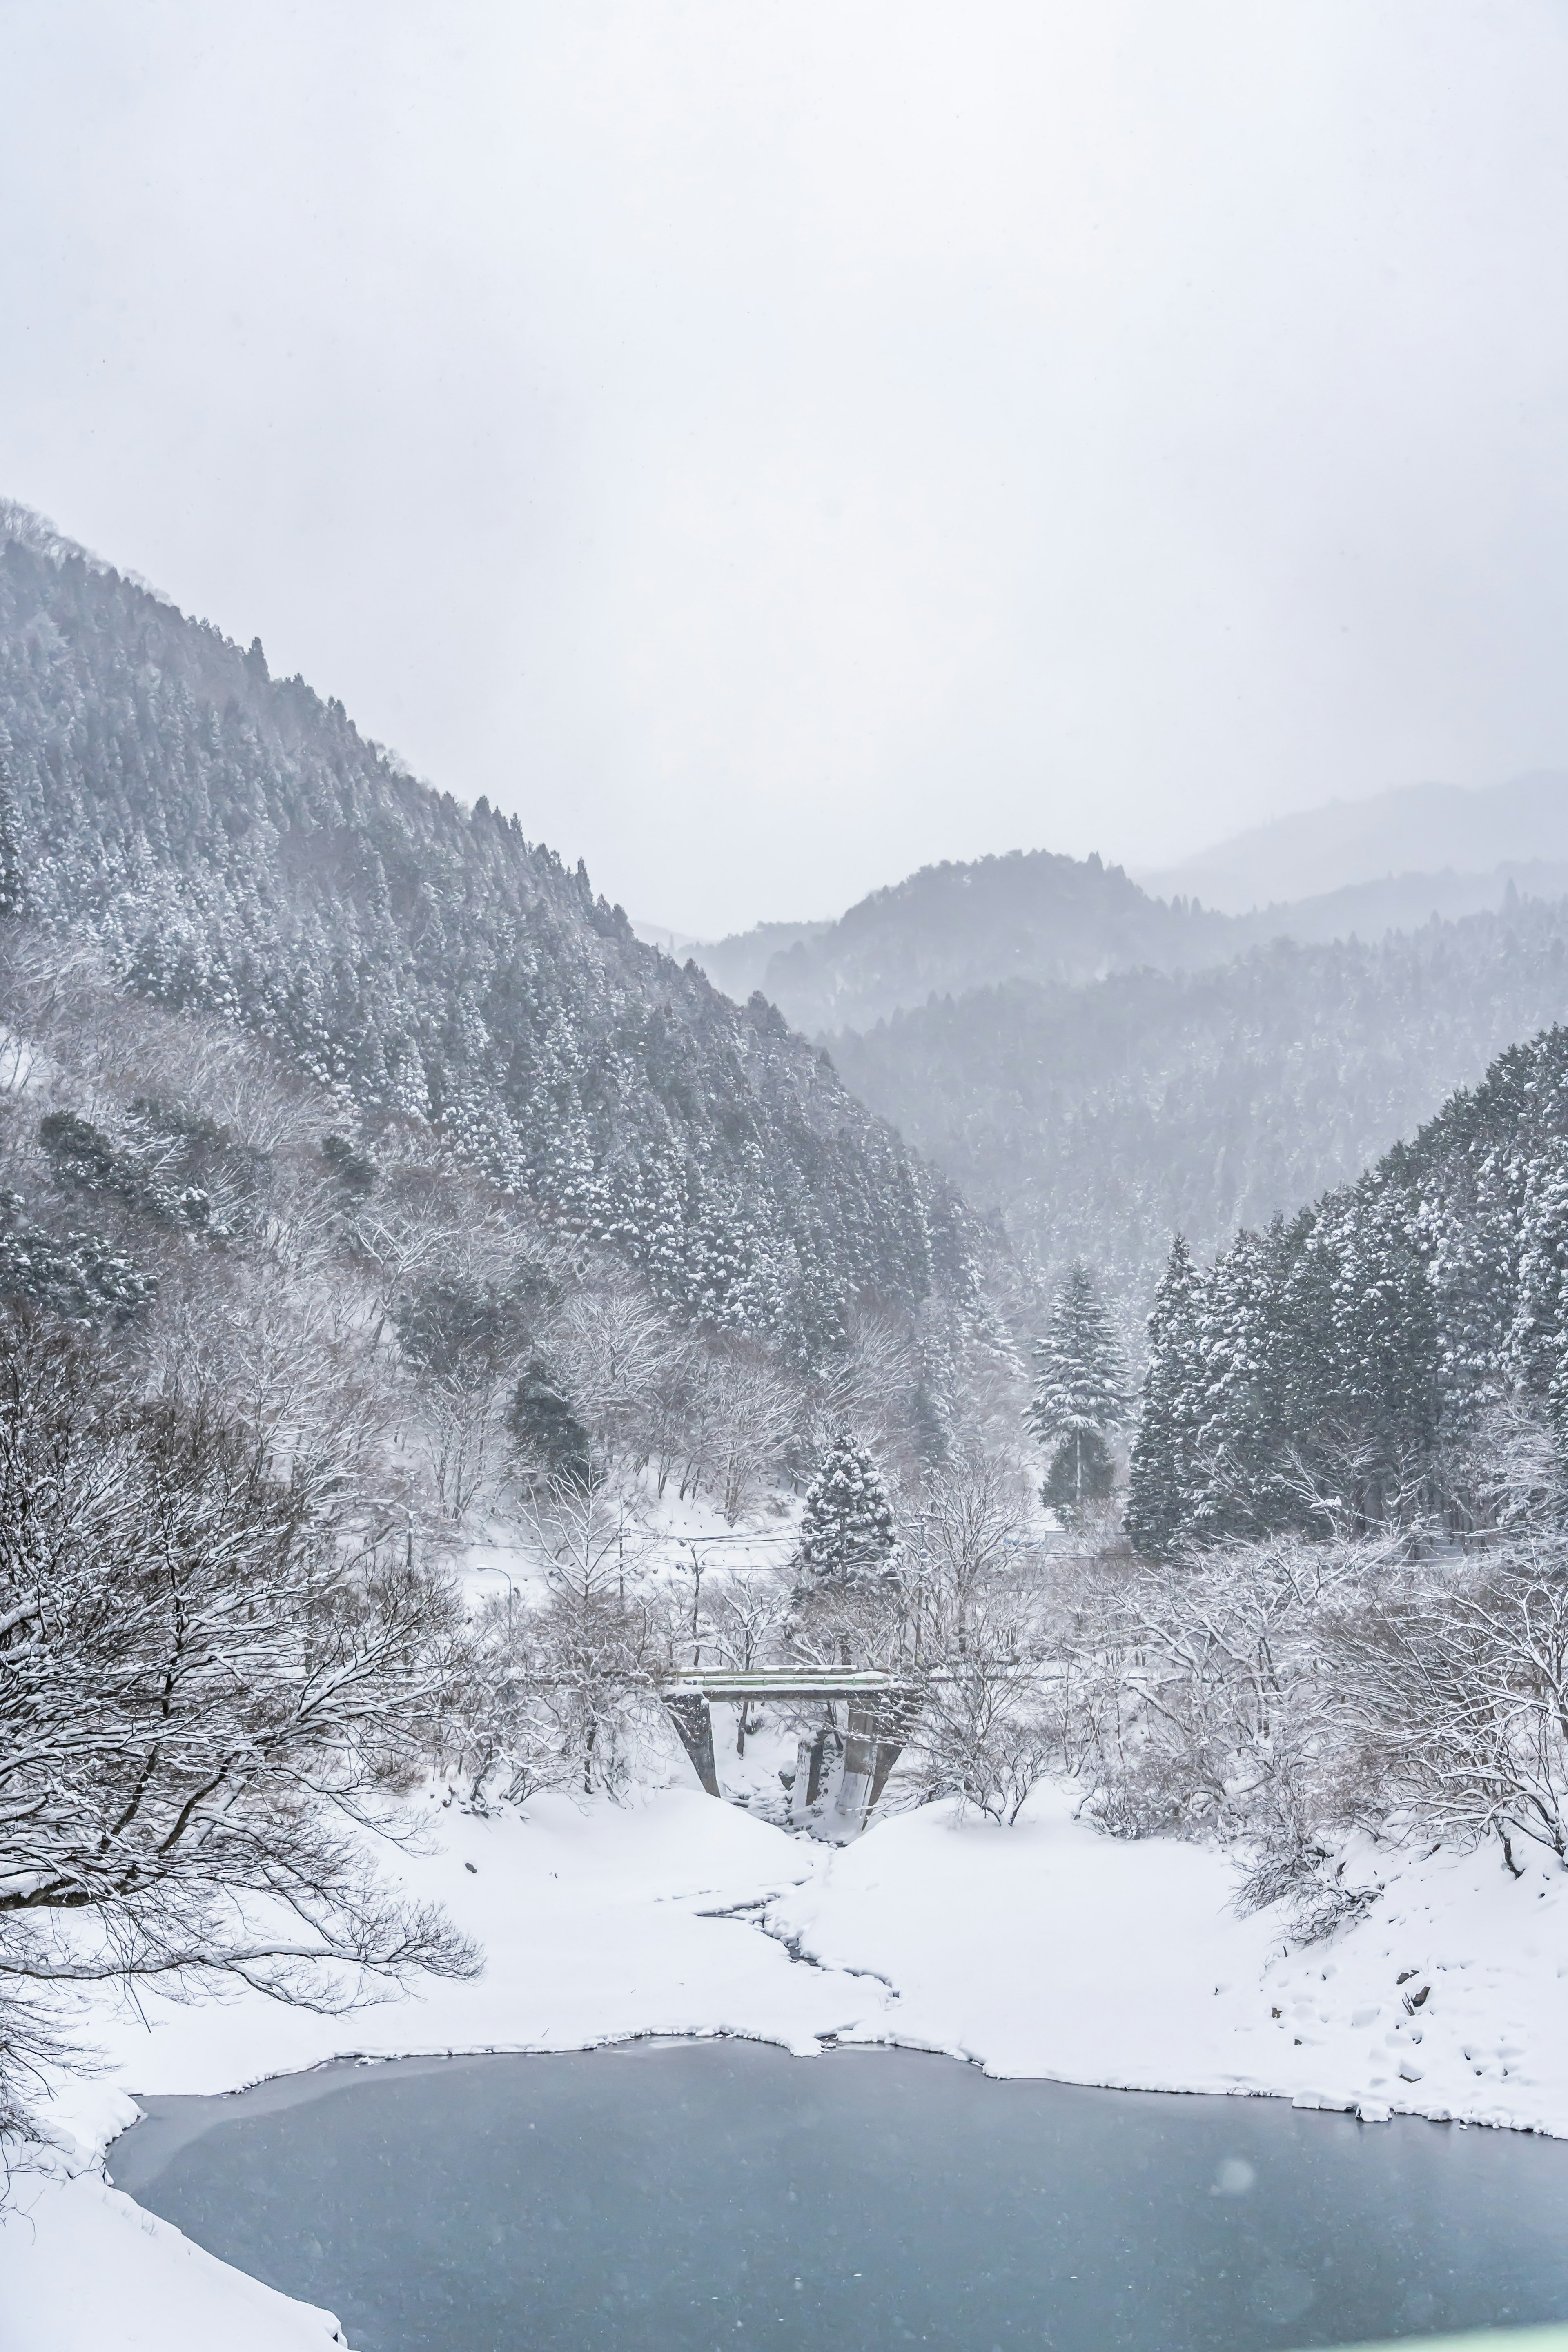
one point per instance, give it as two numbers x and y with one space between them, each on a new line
950 927
1048 920
1415 829
232 844
741 965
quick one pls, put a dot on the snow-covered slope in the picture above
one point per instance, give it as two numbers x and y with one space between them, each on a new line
1046 1950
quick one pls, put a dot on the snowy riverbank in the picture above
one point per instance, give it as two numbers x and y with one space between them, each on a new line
1046 1951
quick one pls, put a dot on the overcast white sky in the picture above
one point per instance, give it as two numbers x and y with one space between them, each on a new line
772 447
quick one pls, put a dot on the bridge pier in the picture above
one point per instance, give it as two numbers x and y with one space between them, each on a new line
693 1719
815 1759
876 1740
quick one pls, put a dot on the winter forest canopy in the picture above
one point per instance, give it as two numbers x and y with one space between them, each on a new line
374 1202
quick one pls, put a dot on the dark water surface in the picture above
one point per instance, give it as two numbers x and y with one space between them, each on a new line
705 2196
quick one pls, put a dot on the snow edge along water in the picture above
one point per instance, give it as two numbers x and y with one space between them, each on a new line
1048 1950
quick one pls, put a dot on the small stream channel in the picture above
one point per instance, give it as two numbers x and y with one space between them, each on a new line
700 2197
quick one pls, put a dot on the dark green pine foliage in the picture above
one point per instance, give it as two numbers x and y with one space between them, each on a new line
1247 1474
1081 1471
1536 1359
236 846
550 1438
12 887
1164 1477
847 1532
1341 1367
79 1277
1080 1392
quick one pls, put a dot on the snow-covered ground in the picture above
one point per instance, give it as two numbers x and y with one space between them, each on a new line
1047 1950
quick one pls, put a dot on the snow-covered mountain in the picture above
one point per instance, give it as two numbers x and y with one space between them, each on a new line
232 844
1035 917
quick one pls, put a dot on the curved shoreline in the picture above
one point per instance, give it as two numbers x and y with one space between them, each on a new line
1046 1951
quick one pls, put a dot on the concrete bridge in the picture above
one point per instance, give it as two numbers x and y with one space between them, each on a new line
839 1777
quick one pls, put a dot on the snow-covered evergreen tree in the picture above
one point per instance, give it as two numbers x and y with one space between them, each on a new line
1163 1471
1080 1394
847 1531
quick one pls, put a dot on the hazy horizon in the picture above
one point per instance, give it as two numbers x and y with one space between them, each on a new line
771 452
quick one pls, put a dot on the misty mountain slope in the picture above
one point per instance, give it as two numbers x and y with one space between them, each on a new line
1415 829
1034 917
739 965
1030 915
1101 1120
1400 902
232 844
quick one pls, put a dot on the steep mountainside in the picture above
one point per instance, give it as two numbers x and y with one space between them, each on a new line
1417 829
1102 1119
1030 916
232 844
1389 1351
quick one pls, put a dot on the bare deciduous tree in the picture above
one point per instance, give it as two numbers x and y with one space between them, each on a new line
745 1611
208 1696
1456 1677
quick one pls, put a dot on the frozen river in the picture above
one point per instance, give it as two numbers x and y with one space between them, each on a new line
688 2197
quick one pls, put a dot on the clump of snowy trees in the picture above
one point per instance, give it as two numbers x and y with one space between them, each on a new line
1350 1506
1316 1702
211 1682
1359 1361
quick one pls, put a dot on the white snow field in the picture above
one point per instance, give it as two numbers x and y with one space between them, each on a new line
1048 1950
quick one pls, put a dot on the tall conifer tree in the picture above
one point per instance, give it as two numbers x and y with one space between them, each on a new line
1080 1395
1162 1476
847 1533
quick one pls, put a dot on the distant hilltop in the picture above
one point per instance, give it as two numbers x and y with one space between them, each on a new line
1510 829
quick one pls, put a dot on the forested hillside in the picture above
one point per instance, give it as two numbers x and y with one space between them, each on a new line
1385 1354
230 843
1104 1119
